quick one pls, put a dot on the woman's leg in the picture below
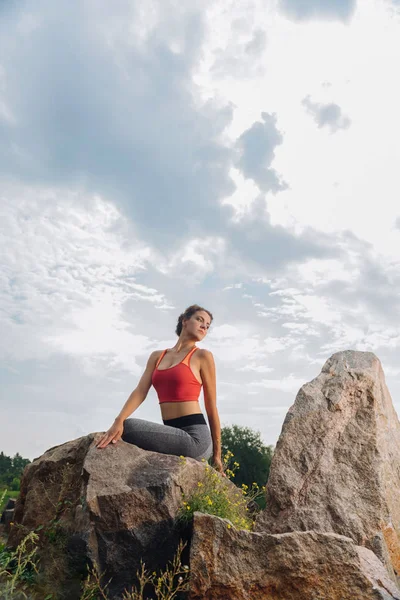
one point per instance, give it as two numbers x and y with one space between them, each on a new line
168 440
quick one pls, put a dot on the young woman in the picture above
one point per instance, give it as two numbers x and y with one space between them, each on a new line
177 375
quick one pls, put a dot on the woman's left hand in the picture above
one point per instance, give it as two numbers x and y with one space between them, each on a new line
218 466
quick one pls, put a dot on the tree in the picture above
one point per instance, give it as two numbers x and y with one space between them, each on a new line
11 470
253 456
18 465
5 464
14 485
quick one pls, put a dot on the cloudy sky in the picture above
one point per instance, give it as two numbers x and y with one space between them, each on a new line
157 153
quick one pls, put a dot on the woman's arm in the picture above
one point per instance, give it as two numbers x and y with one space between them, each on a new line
207 373
134 401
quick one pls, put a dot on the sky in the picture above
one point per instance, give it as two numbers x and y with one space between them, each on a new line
160 153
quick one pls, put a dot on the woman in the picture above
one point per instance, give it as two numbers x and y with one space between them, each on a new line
177 375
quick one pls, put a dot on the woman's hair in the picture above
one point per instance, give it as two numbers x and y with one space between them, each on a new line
189 312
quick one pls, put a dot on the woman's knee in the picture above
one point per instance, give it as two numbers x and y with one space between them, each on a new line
136 424
125 426
130 426
204 455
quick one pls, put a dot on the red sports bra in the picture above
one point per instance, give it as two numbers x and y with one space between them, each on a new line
178 383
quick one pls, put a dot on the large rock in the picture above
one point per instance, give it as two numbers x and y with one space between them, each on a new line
110 507
229 564
336 467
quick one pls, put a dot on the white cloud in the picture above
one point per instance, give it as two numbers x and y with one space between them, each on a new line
256 369
99 332
320 271
195 259
234 286
243 197
66 276
286 384
341 10
327 115
28 23
239 345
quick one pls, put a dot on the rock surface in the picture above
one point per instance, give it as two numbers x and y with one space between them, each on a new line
112 507
230 564
336 467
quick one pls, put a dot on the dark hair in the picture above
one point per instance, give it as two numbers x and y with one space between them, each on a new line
189 312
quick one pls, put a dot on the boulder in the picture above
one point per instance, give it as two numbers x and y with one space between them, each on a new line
231 564
109 508
336 466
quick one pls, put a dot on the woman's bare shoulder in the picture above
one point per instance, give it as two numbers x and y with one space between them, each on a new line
154 356
204 354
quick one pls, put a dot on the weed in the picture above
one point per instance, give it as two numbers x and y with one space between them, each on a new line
216 496
5 496
2 497
92 588
167 585
18 568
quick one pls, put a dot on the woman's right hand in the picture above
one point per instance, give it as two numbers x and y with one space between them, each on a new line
112 435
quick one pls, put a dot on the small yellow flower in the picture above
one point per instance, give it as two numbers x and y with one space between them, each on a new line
199 484
187 507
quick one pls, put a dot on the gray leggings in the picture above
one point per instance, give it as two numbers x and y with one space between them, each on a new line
185 436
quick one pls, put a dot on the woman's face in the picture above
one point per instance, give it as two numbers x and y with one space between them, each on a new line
198 324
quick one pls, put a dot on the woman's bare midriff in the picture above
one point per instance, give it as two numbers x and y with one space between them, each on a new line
173 410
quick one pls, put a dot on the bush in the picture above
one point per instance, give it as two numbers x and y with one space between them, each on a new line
216 496
15 484
250 451
11 470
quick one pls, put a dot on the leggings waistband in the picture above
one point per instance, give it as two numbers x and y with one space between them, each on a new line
196 419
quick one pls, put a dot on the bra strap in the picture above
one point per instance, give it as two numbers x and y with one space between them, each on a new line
186 360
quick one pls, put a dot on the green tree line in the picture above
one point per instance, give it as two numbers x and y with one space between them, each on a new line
11 470
252 455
